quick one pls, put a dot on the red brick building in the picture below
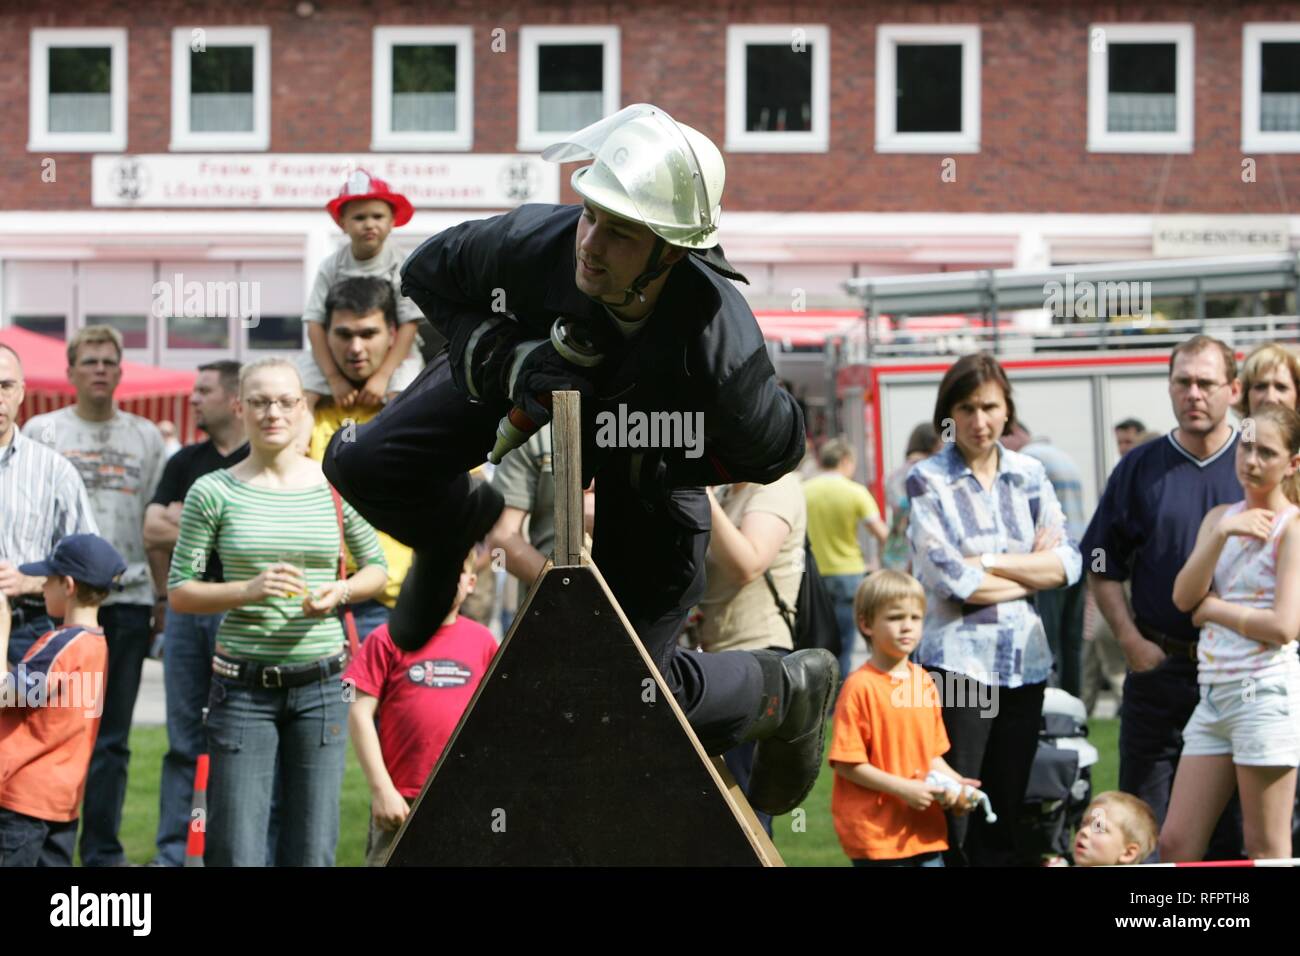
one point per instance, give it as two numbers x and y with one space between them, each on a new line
150 139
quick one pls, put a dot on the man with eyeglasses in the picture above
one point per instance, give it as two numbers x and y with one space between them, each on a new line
120 459
42 500
1143 531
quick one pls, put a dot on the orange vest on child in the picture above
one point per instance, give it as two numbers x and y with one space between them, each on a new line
48 726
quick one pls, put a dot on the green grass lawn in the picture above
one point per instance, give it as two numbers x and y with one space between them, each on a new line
806 841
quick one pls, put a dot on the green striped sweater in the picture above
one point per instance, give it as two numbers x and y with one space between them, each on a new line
251 528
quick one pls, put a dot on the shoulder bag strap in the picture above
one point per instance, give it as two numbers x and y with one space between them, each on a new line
345 610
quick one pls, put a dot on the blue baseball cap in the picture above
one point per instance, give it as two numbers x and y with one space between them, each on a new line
86 558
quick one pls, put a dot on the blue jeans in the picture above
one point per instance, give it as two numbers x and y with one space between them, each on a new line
249 728
369 615
843 587
189 641
126 629
27 841
925 859
25 629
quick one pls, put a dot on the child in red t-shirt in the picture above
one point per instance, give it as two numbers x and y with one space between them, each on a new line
889 736
419 697
50 706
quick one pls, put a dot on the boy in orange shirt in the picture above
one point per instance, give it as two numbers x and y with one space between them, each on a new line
50 706
889 735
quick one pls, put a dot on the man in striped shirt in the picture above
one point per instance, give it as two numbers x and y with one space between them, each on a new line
42 500
120 459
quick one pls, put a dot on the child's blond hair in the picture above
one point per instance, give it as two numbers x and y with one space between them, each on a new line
1134 818
881 589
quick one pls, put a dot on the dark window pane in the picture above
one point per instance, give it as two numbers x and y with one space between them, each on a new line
1280 67
281 333
80 69
198 332
222 69
1279 106
928 88
778 88
221 90
424 89
570 86
1140 67
1141 88
424 69
134 328
55 326
79 98
577 68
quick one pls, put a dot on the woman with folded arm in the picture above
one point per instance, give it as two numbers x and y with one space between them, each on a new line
281 647
986 532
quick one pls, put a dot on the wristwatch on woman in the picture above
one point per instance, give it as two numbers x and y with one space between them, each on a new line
986 561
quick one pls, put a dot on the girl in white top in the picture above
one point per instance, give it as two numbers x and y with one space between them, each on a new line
1245 733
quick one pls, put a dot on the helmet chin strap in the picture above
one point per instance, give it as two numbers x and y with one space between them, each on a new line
648 275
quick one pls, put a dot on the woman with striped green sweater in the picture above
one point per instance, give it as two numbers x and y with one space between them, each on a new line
275 690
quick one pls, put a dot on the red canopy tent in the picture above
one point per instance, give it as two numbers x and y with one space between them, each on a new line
157 394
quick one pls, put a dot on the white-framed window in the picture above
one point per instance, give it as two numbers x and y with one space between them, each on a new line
1270 88
221 88
1140 91
423 88
927 88
78 90
778 88
568 79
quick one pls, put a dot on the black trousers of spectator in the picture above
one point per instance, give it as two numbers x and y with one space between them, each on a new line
994 735
1061 610
126 629
26 625
406 472
1157 705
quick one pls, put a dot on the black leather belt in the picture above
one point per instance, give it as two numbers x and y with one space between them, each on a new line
1170 645
278 675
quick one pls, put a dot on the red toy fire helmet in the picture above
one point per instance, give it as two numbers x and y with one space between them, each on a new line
361 185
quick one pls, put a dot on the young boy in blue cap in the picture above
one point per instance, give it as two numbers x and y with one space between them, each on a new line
50 707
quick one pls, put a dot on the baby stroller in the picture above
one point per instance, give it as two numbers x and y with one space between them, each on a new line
1060 780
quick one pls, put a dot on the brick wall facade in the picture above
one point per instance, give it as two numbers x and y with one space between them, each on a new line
1033 155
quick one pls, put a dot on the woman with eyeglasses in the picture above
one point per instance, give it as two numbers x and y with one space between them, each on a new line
276 692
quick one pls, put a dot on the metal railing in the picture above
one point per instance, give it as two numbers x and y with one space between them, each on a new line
1141 333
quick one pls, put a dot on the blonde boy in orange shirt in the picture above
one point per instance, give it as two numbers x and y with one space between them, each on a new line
888 736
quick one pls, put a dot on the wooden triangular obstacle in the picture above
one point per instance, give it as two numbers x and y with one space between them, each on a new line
573 751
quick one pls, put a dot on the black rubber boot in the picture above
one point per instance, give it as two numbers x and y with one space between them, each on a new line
429 589
798 693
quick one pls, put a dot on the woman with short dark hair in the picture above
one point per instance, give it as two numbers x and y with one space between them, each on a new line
986 532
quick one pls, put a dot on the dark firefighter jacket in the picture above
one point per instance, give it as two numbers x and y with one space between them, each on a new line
700 351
